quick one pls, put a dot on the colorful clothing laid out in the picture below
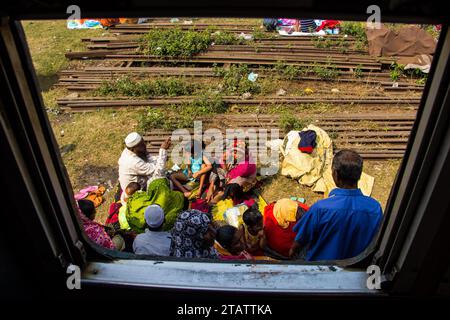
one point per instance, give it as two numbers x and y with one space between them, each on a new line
187 236
96 232
153 243
83 24
158 192
83 193
339 227
92 193
279 238
286 22
328 24
307 25
95 23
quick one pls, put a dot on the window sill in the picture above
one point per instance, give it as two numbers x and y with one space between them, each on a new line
236 277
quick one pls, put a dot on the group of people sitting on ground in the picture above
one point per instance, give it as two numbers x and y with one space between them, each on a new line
170 214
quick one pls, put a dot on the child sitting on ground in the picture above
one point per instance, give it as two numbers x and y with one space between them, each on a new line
131 189
253 231
198 166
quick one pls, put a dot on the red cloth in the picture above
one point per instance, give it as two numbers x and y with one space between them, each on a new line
200 205
306 149
330 24
113 213
279 239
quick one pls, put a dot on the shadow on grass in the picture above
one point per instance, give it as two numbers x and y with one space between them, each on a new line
46 82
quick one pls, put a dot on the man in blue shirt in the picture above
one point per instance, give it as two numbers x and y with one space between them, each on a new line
344 224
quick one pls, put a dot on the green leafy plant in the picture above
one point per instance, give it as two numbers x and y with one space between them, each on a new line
182 43
396 71
174 42
355 29
235 79
326 72
127 86
358 72
289 72
259 34
358 31
289 122
226 38
151 119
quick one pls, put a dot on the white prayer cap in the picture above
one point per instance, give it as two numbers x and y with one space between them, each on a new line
154 216
133 139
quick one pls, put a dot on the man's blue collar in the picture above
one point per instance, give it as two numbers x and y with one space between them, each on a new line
345 192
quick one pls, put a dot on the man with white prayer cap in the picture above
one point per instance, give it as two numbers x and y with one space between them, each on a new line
137 165
153 241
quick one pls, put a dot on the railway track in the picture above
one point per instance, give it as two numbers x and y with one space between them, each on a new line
84 104
387 140
374 136
90 78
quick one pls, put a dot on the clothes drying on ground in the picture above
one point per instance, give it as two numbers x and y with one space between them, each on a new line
92 193
314 170
307 25
328 24
307 141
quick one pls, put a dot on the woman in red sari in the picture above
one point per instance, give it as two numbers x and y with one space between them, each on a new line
279 219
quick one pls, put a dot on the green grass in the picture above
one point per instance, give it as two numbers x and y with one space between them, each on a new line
49 41
183 115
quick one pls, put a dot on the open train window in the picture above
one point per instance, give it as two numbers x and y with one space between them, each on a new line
352 88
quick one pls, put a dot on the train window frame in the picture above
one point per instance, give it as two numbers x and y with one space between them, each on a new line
71 245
